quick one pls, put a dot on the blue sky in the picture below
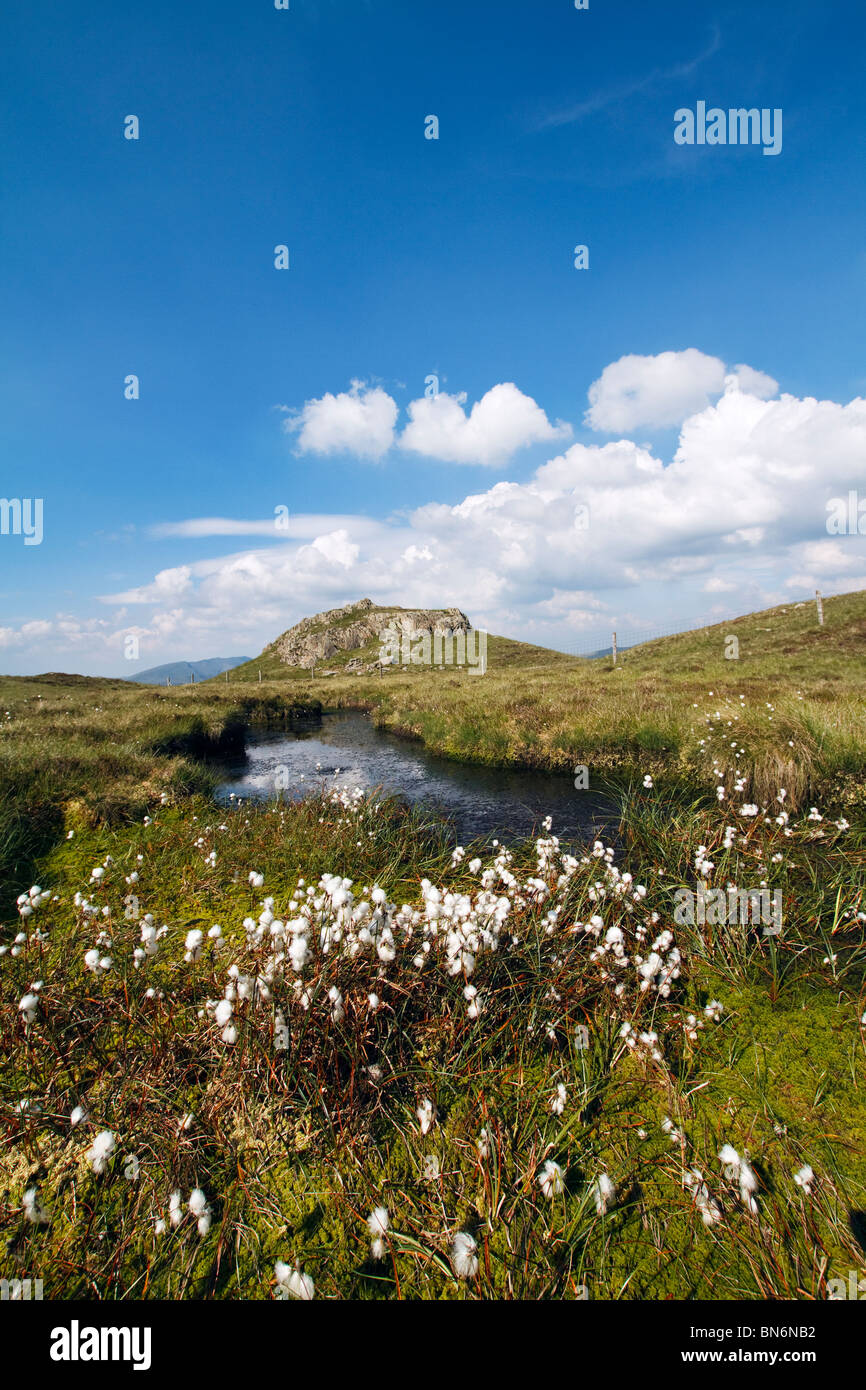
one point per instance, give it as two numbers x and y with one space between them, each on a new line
706 485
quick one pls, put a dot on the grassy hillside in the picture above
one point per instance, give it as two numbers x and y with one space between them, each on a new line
784 643
502 652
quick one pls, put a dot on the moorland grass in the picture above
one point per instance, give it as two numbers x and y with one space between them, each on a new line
293 1148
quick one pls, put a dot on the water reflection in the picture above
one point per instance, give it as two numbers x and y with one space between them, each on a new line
346 750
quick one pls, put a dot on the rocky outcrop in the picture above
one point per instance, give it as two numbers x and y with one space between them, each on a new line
357 625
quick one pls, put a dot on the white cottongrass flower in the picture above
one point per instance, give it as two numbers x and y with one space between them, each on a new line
193 944
34 1208
78 1115
256 880
463 1255
470 994
149 938
291 1283
338 1013
647 781
482 1143
299 953
710 1211
550 1179
101 1150
223 1012
604 1193
739 1170
27 1007
132 1168
557 1105
426 1115
198 1205
175 1208
748 1185
377 1225
804 1177
223 1016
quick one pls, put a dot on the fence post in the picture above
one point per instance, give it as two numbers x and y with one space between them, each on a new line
614 649
820 603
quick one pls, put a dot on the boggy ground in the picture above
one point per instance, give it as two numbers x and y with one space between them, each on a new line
382 1023
551 1086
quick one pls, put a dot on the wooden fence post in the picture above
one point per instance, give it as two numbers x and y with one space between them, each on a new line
820 603
614 649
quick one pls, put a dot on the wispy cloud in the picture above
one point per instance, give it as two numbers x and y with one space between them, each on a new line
203 526
614 95
280 526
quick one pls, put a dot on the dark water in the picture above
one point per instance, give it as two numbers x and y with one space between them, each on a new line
345 750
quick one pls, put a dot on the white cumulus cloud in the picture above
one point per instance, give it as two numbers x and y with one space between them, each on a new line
503 421
359 421
656 392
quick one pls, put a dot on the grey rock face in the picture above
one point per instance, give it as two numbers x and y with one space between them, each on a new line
357 625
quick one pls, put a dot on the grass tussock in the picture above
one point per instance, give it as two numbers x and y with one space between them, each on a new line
228 1042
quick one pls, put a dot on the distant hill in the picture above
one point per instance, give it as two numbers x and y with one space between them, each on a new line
66 679
182 672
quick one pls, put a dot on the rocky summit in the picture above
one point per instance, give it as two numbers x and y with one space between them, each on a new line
356 627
